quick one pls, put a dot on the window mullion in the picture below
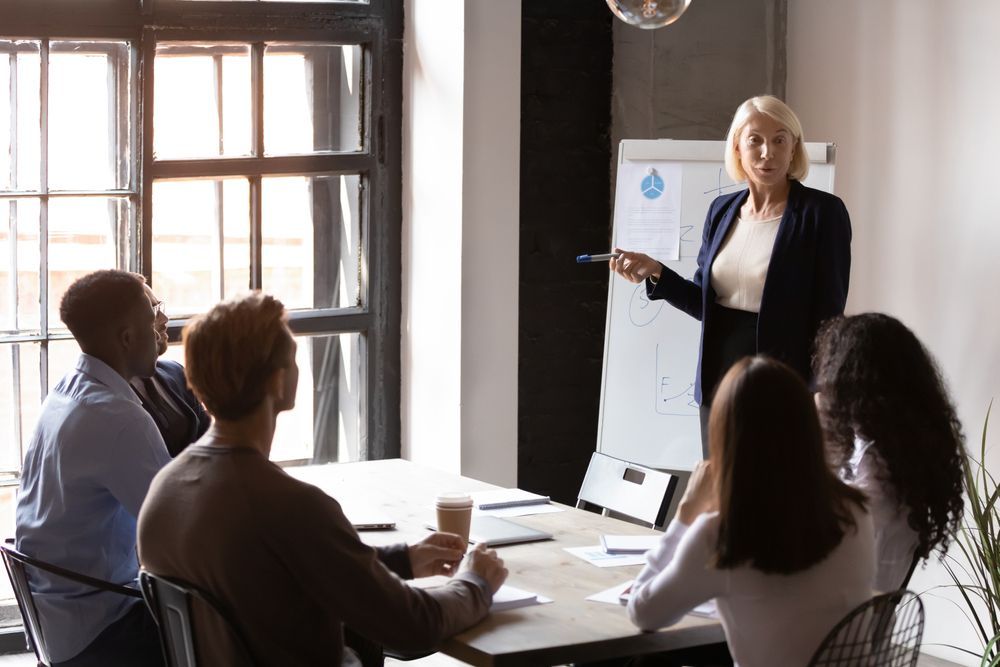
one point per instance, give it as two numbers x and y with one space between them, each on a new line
145 177
220 236
12 212
256 216
217 74
43 216
132 119
13 263
256 234
220 215
257 104
275 165
12 64
15 365
114 146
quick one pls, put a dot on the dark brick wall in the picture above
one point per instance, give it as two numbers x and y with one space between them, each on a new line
565 209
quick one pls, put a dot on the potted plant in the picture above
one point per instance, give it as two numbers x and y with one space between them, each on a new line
975 566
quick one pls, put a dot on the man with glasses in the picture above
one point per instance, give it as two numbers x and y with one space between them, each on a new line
179 416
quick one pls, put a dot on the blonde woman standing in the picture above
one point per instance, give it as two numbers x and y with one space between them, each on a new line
775 258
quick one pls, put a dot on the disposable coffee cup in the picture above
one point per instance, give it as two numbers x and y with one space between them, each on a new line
454 513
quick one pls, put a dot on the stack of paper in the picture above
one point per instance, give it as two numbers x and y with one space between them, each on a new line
629 544
706 609
509 597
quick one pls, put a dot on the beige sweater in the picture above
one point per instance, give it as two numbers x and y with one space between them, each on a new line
287 562
740 267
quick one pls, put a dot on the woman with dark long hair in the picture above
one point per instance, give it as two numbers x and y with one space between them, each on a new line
894 434
765 527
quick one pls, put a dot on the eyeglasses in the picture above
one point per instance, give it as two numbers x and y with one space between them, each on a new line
160 308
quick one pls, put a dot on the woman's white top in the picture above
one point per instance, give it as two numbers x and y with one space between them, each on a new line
740 266
769 619
895 541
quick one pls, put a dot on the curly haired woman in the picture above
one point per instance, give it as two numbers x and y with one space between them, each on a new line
893 431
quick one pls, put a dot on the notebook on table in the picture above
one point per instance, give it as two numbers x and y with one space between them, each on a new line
494 532
503 498
367 519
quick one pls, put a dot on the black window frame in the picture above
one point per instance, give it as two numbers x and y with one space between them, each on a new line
378 27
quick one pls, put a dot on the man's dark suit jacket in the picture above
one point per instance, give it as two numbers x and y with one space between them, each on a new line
170 376
807 279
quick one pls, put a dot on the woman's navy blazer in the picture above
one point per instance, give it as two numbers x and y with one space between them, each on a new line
171 375
807 278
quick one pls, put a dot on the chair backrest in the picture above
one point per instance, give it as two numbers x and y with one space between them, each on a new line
26 604
628 489
170 601
909 573
17 564
885 631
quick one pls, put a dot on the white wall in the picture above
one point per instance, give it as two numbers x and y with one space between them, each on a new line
910 92
461 151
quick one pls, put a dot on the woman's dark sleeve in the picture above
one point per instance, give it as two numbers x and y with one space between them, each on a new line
680 292
833 262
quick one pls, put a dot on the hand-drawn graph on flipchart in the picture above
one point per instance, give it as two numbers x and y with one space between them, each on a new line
648 413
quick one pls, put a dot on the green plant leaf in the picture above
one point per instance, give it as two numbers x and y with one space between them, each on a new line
974 563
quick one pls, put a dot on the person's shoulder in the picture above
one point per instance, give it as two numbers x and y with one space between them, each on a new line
246 471
284 489
169 365
172 370
92 402
278 495
819 198
704 530
82 389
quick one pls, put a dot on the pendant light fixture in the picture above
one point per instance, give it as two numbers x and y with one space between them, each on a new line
648 14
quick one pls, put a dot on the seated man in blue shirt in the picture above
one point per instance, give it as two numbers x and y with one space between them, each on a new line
88 467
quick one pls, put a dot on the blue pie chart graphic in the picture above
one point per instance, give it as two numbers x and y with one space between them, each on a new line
652 186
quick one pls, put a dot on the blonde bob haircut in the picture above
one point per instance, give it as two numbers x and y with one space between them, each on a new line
232 351
779 111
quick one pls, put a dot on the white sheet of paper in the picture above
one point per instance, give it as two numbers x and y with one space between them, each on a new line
595 555
611 595
648 209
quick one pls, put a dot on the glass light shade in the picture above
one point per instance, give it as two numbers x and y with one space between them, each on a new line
648 14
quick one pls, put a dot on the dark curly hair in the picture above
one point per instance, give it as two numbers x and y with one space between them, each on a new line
880 383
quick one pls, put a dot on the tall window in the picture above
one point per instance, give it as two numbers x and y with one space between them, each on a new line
215 147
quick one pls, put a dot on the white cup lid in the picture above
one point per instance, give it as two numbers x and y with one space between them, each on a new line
455 500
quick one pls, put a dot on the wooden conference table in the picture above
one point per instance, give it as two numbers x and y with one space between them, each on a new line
569 629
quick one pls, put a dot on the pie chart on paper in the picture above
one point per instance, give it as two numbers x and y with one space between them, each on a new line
652 186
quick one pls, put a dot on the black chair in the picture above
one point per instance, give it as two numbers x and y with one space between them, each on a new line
909 573
885 631
16 564
170 602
